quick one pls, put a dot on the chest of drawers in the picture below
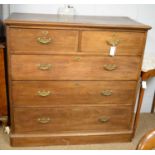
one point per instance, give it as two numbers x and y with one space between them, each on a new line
64 86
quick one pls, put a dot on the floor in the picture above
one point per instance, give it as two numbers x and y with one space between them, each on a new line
147 122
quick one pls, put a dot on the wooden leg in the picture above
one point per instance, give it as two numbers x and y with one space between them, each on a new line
140 100
153 104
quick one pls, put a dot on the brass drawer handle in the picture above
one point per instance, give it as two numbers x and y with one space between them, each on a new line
43 120
114 41
43 93
44 40
110 67
44 66
106 93
104 119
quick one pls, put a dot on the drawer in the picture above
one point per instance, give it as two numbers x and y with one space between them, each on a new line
72 119
42 41
45 67
51 93
127 43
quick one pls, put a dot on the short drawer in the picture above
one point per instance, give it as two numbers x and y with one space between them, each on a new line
72 119
52 67
42 41
99 42
51 93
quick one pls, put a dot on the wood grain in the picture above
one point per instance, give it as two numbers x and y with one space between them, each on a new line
73 119
113 22
96 42
25 93
77 58
26 41
3 98
69 139
74 68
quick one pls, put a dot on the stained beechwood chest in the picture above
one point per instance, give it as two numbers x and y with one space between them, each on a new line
73 80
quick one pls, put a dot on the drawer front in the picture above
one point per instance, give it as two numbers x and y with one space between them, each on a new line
44 67
40 41
74 119
50 93
127 43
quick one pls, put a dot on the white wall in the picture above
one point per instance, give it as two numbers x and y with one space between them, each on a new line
141 13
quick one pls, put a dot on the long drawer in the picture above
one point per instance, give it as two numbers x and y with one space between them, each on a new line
42 41
54 93
72 119
52 67
127 43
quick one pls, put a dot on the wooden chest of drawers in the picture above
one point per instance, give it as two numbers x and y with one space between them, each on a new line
65 88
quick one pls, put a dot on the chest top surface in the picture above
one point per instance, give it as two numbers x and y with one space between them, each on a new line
79 21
